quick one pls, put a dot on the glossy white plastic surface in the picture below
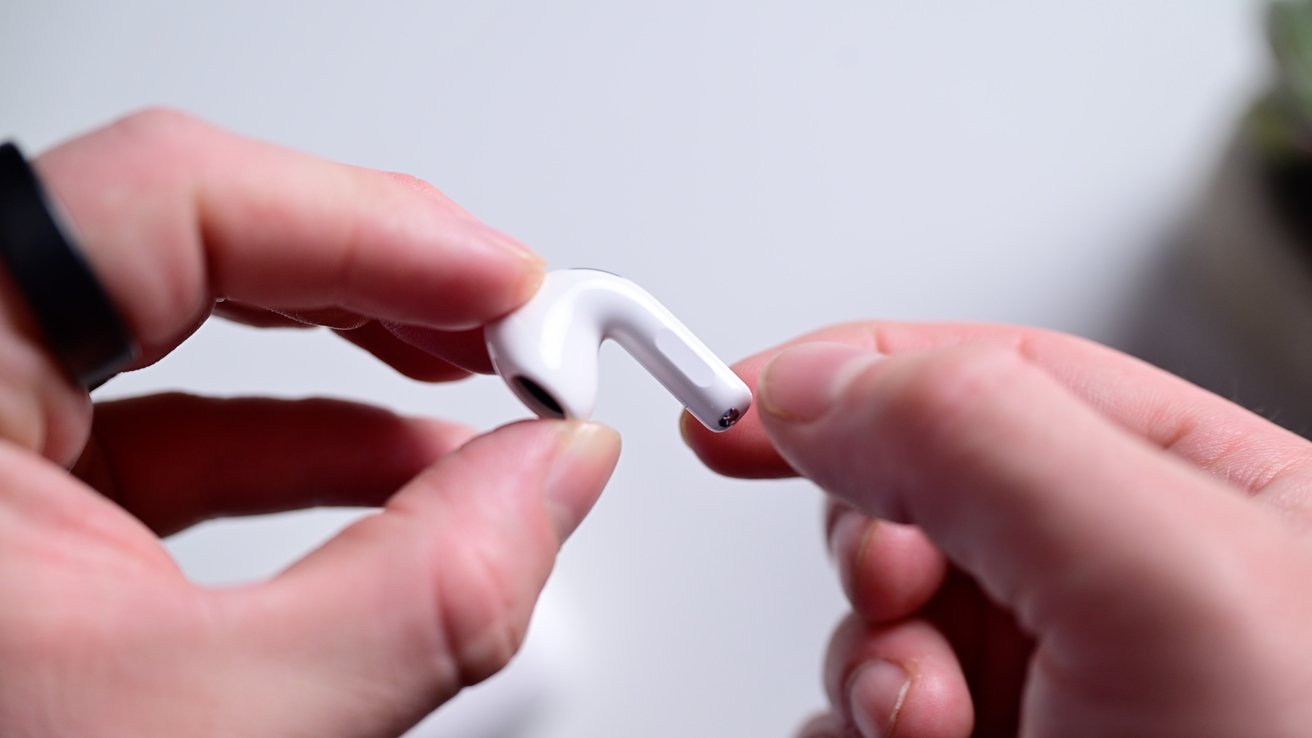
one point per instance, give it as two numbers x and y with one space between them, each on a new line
547 350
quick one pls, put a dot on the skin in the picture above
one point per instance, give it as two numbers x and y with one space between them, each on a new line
100 633
1038 536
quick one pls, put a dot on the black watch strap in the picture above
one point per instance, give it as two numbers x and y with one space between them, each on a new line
80 325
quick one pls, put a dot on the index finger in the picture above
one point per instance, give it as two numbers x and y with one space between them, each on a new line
1206 430
173 213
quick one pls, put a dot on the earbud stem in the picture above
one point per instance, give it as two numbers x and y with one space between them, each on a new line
547 350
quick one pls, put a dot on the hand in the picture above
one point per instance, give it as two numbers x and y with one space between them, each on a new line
100 634
1039 536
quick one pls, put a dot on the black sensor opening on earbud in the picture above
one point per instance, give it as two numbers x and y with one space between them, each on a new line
540 396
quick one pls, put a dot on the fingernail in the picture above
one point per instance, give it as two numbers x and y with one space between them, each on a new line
846 542
585 457
875 695
512 245
845 534
803 382
823 726
512 257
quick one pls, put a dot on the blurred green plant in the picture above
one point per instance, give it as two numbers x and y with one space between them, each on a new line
1282 119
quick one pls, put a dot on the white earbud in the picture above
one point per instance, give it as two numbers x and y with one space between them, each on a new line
547 349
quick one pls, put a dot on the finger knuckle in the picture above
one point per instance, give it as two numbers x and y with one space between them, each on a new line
157 123
412 182
481 627
942 401
420 186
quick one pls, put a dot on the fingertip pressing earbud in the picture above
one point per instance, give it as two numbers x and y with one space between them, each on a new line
547 350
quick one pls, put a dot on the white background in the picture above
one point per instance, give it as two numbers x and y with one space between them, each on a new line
763 167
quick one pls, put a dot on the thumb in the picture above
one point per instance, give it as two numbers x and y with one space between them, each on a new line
404 608
1052 508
